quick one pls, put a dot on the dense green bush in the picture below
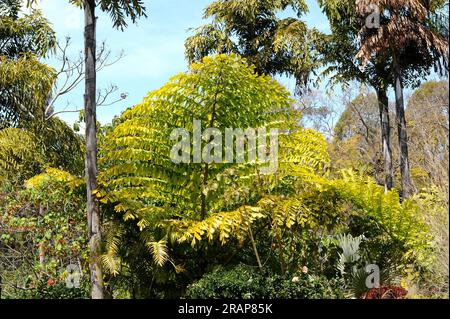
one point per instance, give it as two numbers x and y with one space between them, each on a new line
249 282
49 289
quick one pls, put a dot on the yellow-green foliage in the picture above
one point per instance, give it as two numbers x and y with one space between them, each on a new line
112 240
400 220
222 92
281 212
53 175
303 153
226 224
28 33
18 154
25 85
142 182
433 206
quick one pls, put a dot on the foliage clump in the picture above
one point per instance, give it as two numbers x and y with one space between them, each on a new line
248 283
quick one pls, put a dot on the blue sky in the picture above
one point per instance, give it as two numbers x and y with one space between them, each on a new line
154 47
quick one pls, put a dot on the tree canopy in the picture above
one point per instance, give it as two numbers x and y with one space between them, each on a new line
252 29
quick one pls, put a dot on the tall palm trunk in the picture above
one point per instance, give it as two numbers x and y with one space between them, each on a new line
406 183
93 214
383 106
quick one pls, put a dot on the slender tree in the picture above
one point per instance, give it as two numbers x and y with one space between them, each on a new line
119 11
90 113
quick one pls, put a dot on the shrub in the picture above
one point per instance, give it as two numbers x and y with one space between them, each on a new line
44 226
51 289
248 282
386 292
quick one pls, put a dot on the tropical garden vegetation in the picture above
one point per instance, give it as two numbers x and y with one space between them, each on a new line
346 213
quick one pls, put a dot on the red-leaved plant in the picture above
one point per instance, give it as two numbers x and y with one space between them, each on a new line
386 292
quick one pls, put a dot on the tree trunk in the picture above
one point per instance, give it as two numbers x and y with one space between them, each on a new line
41 245
281 255
383 106
255 250
406 183
93 216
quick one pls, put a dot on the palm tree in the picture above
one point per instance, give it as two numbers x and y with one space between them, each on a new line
253 29
406 36
119 10
338 54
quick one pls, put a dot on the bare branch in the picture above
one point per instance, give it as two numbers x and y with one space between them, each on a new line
71 73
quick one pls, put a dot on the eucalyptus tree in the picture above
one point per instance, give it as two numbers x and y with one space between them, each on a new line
119 10
414 43
428 110
253 29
